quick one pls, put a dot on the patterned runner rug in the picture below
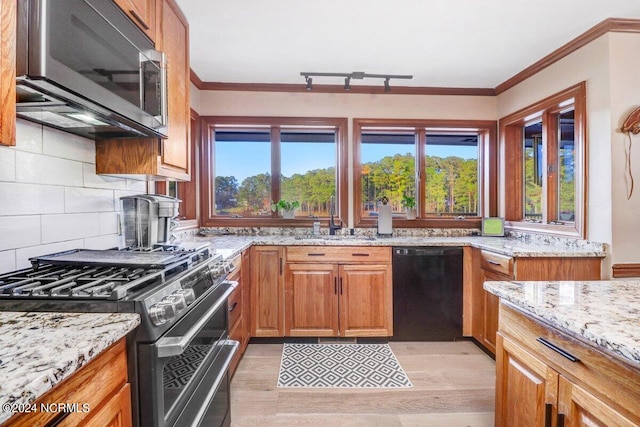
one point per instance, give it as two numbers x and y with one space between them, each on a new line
341 365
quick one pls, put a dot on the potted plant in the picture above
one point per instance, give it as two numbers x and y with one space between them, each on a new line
286 208
409 204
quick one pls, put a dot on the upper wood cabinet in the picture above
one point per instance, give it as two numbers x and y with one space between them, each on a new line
142 13
151 158
8 72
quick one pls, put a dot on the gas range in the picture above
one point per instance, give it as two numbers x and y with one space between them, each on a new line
178 358
158 283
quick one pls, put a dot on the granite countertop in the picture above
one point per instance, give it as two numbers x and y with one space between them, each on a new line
603 313
231 245
39 350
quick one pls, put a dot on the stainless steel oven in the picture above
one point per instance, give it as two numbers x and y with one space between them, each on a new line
186 370
179 356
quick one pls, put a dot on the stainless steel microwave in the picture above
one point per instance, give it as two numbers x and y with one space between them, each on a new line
83 67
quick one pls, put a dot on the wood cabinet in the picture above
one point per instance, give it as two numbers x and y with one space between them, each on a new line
150 158
493 266
8 16
239 309
338 291
537 386
267 291
142 13
101 385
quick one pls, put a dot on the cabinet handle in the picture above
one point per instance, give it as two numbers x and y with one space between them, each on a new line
139 19
560 422
233 307
335 285
548 409
315 254
281 266
359 254
58 419
558 350
492 262
341 286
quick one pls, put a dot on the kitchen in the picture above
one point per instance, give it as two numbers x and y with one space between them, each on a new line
53 200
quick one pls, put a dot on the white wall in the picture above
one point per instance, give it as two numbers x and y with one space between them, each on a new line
610 67
51 198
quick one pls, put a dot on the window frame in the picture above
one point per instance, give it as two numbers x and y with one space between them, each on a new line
487 176
512 163
209 123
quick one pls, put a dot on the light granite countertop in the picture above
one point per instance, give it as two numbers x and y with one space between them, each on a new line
231 245
39 350
603 313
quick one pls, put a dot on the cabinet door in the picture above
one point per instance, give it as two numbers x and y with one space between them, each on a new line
267 291
142 13
311 300
580 408
8 72
366 300
245 276
115 413
174 32
526 388
491 304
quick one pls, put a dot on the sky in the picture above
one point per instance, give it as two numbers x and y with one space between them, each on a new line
255 157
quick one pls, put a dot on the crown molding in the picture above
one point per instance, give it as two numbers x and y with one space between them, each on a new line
620 25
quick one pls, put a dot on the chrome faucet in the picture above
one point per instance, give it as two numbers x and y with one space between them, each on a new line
332 211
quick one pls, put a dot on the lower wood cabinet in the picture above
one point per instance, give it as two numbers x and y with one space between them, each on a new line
536 386
347 298
493 266
321 291
101 385
239 313
267 291
337 300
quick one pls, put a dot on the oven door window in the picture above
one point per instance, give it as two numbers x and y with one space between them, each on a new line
181 373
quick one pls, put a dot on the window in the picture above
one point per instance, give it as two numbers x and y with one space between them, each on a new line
544 164
252 162
443 165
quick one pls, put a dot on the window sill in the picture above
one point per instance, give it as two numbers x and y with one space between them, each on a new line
426 223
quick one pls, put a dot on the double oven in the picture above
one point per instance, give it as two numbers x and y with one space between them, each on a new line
179 356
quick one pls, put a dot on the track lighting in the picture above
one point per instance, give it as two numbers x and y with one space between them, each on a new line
354 75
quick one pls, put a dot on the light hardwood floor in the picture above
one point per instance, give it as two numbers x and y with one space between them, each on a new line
453 385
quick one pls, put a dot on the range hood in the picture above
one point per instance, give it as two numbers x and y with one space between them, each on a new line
83 67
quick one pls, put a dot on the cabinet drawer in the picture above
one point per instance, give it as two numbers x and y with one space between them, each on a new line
235 306
342 254
497 263
611 379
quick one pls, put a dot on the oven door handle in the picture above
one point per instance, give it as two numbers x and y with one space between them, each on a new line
175 346
233 347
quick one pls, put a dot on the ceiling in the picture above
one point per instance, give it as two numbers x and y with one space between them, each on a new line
442 43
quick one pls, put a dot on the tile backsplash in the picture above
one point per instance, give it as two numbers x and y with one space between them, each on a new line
51 198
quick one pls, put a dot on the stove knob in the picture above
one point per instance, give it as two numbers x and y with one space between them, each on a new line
188 294
162 312
178 301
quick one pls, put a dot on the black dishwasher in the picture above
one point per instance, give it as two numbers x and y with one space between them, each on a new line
427 293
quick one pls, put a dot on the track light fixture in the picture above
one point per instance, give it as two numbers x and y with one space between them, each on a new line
354 75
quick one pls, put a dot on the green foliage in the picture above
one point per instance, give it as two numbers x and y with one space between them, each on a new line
408 202
284 205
